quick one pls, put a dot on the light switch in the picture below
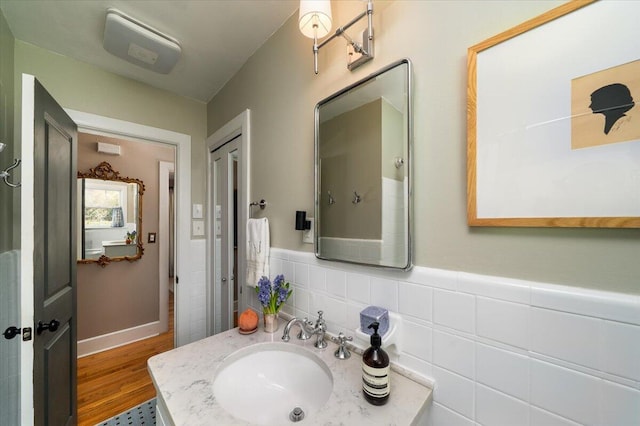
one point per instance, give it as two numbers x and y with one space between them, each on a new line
198 228
197 211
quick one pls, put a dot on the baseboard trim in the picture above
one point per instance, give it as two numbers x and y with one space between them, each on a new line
118 338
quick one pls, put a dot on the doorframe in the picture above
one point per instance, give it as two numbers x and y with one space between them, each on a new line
165 170
27 246
105 126
237 127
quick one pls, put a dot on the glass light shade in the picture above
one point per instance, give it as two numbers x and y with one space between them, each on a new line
315 18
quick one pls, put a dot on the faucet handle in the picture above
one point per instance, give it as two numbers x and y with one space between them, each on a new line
319 329
303 334
342 352
342 339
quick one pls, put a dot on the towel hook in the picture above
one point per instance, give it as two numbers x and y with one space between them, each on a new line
356 198
331 199
5 174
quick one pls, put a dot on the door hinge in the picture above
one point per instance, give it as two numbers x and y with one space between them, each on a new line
177 279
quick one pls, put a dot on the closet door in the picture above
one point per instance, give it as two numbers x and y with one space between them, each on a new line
224 245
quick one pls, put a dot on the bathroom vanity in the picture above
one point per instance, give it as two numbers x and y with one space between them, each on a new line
184 381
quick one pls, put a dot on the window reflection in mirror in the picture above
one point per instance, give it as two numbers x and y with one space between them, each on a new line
362 171
106 205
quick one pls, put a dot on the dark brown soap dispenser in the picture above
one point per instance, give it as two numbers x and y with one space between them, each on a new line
375 370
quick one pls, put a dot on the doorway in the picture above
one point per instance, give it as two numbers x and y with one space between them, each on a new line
227 210
122 301
99 125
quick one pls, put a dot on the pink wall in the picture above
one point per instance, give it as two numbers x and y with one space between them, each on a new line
123 295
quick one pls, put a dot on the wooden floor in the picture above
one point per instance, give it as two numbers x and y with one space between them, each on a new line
113 381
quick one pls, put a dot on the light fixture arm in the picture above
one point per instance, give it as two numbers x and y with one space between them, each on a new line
365 49
316 48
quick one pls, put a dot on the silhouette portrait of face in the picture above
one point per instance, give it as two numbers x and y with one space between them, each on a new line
612 101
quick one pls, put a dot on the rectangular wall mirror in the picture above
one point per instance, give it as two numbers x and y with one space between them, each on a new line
363 137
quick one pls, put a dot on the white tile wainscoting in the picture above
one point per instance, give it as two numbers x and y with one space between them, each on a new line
10 349
501 351
197 290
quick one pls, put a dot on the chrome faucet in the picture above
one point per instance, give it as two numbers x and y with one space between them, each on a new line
308 329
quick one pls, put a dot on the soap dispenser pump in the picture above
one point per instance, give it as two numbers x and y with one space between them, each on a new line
375 370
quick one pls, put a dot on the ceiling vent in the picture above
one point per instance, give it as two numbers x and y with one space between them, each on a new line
108 148
139 44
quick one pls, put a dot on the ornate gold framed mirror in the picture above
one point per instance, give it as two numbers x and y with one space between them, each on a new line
109 216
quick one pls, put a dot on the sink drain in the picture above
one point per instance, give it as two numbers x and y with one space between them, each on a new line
296 414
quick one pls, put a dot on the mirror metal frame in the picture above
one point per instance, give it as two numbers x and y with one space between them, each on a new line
104 171
408 163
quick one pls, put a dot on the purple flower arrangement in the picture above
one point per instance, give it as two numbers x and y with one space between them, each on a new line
273 296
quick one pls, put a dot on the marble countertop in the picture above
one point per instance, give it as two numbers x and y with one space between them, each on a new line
184 377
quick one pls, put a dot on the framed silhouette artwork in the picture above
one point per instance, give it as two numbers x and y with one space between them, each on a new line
553 120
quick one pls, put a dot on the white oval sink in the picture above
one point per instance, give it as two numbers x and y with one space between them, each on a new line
263 383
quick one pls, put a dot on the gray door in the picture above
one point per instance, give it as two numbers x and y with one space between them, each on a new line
54 263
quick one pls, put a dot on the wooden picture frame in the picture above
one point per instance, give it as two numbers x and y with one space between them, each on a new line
540 152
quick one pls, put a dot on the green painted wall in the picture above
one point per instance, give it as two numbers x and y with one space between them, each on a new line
83 87
280 88
7 195
86 88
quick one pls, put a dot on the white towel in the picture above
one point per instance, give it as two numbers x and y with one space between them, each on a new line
257 250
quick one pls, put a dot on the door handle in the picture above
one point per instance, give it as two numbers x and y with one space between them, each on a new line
51 326
11 332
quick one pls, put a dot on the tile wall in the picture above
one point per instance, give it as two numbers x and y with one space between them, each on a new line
198 291
9 349
501 351
394 232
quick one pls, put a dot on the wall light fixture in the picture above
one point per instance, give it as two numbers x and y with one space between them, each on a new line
315 23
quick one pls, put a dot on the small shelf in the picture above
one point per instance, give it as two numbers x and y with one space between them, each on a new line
393 336
119 248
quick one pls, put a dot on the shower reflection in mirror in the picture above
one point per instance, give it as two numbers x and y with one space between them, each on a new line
363 176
